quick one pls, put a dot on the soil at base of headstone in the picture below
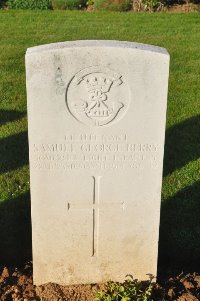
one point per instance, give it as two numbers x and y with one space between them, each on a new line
17 285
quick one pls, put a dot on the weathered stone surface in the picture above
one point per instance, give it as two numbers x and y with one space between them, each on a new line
96 114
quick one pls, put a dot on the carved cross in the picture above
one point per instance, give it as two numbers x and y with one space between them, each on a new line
95 206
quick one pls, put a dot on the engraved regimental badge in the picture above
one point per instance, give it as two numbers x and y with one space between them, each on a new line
97 96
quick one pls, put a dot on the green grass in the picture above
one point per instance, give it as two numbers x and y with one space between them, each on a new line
180 34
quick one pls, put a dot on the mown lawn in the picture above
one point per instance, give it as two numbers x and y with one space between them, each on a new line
180 34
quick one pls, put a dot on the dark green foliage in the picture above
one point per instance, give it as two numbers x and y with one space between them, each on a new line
68 4
2 3
171 2
174 2
29 4
113 5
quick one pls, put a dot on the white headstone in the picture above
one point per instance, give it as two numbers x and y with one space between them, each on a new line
96 114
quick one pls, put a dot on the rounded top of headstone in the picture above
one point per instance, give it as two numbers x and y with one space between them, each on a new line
97 43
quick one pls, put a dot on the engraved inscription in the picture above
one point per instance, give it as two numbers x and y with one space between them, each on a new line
97 96
92 151
95 206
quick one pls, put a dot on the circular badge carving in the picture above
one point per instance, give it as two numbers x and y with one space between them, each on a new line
97 96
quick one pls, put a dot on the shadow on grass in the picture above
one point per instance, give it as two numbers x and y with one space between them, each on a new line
15 234
10 115
179 243
13 152
15 217
182 144
2 3
179 240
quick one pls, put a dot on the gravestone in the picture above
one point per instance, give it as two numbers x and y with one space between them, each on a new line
96 116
